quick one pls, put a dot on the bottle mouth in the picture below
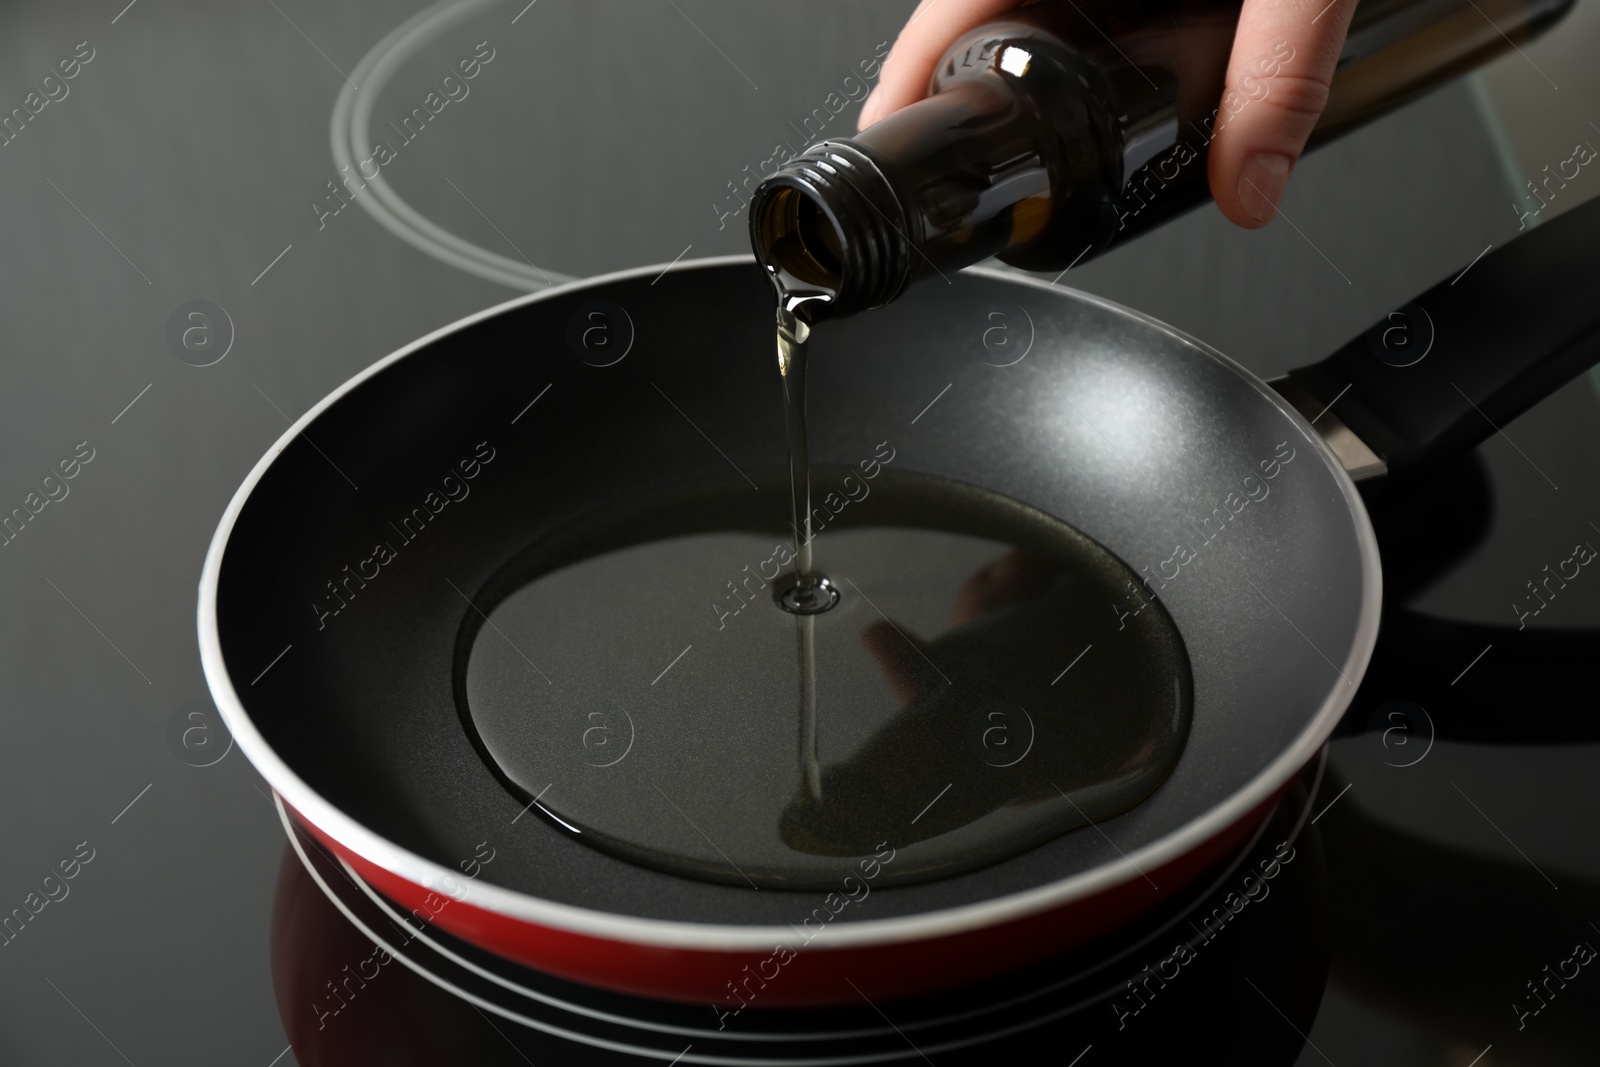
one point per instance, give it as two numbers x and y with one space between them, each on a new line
830 231
800 238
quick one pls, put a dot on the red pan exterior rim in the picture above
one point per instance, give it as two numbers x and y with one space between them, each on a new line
812 977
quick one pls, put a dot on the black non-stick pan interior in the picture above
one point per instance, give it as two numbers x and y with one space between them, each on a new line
1137 436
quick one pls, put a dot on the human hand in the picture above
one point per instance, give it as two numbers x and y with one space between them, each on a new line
1252 154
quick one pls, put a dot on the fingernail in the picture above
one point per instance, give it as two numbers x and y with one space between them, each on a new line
1261 184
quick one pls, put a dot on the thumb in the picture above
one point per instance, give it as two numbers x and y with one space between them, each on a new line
932 28
1277 85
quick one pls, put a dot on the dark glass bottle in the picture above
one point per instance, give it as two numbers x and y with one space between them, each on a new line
1048 139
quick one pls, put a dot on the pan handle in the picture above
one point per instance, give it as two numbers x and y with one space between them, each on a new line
1436 377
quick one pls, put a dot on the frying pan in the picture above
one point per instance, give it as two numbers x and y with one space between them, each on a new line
336 666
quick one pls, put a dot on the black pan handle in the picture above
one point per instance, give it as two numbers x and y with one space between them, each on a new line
1438 376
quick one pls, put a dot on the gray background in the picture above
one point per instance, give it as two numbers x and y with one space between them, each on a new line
597 139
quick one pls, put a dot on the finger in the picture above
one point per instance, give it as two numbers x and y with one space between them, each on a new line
933 26
1277 85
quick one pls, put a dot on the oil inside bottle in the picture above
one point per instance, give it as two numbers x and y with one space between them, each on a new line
989 679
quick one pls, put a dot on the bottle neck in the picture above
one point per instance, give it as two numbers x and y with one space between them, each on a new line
967 173
831 232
